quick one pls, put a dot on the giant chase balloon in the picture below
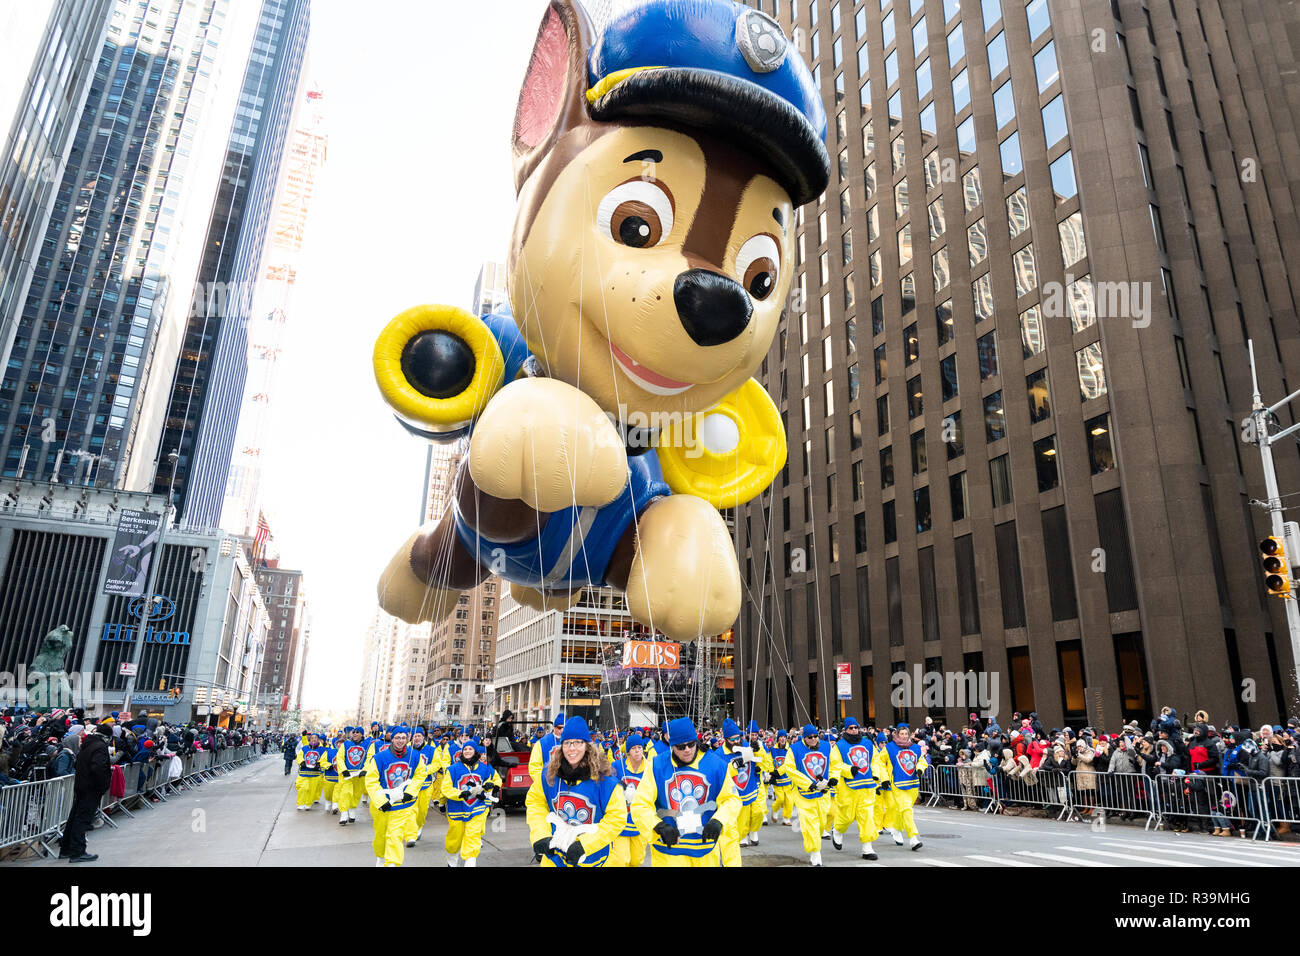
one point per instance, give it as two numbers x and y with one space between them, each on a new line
610 412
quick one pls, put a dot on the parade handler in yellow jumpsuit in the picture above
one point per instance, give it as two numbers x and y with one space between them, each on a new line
393 777
685 800
472 787
311 770
576 808
351 766
814 768
855 797
898 766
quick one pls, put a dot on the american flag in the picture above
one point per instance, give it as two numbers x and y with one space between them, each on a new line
263 532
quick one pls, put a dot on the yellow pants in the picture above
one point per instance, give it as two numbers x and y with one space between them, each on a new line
392 829
347 794
422 807
627 851
859 806
466 836
729 845
328 791
659 858
751 817
309 789
813 816
899 814
783 801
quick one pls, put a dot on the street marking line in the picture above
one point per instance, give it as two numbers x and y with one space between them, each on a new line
925 862
1225 856
1239 845
1063 859
1128 856
1001 861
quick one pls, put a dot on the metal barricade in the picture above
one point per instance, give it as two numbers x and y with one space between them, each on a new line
968 785
1124 793
925 785
1048 789
34 812
1216 798
1282 802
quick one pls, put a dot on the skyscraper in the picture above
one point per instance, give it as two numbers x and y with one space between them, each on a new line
273 308
99 327
47 55
211 370
1015 363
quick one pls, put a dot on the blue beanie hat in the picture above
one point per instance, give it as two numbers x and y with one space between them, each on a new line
881 737
473 742
575 729
783 733
681 731
635 740
400 729
851 722
730 728
418 730
559 719
902 727
809 730
753 727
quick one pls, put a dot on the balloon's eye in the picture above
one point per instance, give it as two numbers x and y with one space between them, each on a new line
637 213
758 265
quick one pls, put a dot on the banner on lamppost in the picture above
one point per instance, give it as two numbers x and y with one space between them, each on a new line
843 681
133 552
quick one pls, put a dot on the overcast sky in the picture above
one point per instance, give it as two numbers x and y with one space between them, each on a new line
416 194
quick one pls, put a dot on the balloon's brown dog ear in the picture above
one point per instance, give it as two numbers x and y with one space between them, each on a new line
553 98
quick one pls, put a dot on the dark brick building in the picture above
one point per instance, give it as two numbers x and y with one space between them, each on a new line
1013 390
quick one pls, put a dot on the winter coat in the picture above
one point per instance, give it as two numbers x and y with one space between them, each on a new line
92 768
1083 758
1121 761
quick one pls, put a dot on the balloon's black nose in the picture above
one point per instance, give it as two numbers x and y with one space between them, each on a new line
713 308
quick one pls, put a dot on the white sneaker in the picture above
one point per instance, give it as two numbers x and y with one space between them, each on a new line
453 859
837 838
379 861
776 817
744 842
419 833
343 820
472 861
914 843
410 843
815 859
753 840
352 816
898 837
826 834
869 852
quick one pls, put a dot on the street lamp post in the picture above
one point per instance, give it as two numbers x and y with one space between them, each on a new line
146 609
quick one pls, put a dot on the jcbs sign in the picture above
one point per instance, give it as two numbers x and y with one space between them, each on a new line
652 654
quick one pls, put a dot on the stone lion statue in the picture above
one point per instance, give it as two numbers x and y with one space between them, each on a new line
46 677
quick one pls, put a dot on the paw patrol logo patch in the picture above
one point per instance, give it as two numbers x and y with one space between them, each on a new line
310 759
859 757
907 760
742 776
574 808
761 41
687 790
355 754
631 783
815 764
468 782
396 774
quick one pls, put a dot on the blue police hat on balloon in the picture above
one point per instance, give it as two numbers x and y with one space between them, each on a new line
719 66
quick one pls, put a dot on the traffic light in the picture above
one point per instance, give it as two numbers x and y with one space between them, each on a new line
1277 576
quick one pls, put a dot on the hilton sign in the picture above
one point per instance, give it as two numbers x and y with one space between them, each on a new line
147 613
